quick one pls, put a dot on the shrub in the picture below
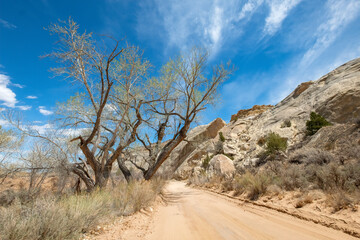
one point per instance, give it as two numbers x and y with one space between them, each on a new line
291 178
352 176
338 201
254 185
286 123
330 177
221 136
227 185
199 180
275 143
67 217
229 156
7 197
315 123
311 156
357 123
304 201
49 218
336 177
206 162
261 141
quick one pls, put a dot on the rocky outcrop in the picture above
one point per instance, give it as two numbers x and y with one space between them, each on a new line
221 165
200 141
336 96
255 110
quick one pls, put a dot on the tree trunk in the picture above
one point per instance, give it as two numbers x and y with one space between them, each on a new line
77 187
125 171
102 176
89 183
163 156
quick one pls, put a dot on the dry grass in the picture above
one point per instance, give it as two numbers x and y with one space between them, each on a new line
227 185
301 88
311 156
338 201
304 200
253 185
66 217
306 172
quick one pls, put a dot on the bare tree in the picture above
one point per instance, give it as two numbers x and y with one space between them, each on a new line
116 98
10 142
186 88
109 104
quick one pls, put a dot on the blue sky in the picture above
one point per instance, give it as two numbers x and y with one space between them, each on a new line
275 45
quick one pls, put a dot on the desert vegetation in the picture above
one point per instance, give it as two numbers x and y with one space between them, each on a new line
304 170
121 107
315 123
51 216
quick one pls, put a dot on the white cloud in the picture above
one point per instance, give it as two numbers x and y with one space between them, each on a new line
340 14
31 97
216 26
74 132
7 96
45 112
24 108
6 24
111 107
41 129
189 23
212 24
279 10
3 122
17 85
249 8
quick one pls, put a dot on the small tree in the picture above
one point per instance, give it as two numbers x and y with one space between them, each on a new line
315 123
221 136
10 143
275 143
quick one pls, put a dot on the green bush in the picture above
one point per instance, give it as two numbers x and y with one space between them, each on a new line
206 162
275 143
286 123
222 138
315 123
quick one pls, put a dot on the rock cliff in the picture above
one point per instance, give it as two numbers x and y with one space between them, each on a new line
336 96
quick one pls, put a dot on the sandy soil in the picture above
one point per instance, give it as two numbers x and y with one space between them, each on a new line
188 213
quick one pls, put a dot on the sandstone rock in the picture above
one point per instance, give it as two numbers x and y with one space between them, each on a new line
336 96
229 149
255 110
198 143
251 162
222 165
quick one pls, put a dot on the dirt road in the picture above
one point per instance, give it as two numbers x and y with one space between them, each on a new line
191 214
196 214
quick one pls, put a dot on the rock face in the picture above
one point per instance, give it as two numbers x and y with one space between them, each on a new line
255 110
222 165
336 96
200 141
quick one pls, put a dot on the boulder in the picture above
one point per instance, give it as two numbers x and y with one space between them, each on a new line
222 165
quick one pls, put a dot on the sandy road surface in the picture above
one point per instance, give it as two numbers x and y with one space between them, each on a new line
195 214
